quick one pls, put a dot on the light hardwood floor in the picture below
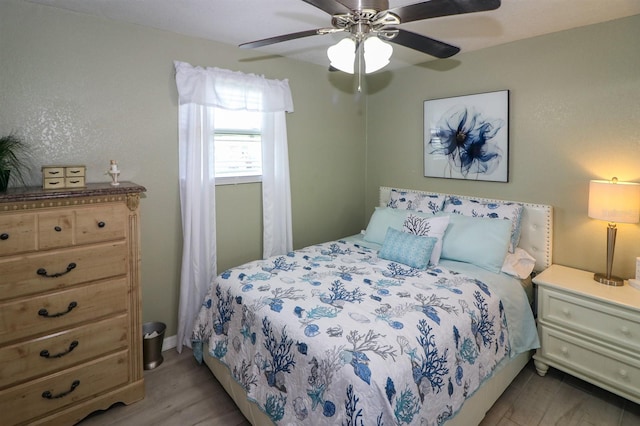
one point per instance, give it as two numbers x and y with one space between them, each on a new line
180 392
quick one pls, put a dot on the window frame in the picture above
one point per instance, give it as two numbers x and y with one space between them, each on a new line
238 179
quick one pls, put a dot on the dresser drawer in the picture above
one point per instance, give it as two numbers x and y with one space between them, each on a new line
38 357
101 224
607 368
55 229
57 311
41 272
602 321
22 403
17 233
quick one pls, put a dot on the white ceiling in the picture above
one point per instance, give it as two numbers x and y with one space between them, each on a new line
238 21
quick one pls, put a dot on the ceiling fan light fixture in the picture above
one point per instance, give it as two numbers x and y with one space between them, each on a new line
376 54
343 54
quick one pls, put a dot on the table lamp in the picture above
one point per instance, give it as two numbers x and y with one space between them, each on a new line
615 202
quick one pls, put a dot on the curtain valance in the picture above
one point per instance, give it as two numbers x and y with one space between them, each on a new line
233 90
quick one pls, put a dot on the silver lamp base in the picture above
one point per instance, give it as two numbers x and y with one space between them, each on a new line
611 280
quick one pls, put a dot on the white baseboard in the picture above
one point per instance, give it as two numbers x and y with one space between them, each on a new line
169 342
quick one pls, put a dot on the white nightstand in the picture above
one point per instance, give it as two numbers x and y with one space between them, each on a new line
589 330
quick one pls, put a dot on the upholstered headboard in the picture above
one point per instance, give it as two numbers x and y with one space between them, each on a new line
536 226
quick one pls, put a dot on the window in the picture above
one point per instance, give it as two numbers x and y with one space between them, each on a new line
238 146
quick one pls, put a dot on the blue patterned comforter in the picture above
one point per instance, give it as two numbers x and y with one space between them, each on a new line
331 334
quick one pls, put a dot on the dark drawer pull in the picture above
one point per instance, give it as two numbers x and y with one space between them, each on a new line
74 171
49 395
44 273
53 172
4 236
101 224
44 313
45 353
57 229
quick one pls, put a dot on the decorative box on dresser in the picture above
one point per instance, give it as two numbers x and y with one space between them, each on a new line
589 330
70 306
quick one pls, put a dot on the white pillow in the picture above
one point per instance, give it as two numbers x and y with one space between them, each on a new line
428 227
519 263
415 201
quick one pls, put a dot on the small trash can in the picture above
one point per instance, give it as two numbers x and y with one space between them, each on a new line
152 337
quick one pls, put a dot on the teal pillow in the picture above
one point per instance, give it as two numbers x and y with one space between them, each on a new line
481 241
382 219
408 249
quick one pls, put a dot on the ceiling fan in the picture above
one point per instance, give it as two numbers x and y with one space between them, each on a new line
371 23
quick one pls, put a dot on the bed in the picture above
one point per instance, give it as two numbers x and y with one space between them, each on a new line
417 320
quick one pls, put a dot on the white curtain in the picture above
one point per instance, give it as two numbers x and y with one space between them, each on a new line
200 91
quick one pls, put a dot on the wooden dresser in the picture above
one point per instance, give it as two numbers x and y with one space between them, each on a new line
70 306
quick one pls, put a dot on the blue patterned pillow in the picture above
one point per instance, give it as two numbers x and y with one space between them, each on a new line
408 249
415 201
497 210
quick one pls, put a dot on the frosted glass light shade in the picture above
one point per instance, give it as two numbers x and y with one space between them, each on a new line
376 54
616 202
343 55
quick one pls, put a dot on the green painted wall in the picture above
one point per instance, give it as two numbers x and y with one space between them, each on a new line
84 90
574 114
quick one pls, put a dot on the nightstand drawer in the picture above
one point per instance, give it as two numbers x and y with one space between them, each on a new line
598 319
50 312
607 368
21 403
27 360
41 272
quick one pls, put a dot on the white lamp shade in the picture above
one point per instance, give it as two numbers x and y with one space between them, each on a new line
614 201
343 55
376 54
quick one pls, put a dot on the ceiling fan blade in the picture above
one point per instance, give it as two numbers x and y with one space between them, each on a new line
332 7
278 39
437 8
421 43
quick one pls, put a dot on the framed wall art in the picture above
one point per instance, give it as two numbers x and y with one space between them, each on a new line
467 137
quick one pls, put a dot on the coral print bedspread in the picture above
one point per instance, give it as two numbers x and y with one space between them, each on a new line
331 334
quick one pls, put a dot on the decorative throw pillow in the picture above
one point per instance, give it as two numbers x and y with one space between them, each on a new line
408 249
415 201
428 227
493 210
382 219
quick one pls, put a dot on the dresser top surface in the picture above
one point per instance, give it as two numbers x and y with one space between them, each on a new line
92 189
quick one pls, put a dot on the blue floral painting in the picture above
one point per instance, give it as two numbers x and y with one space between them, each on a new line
467 137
